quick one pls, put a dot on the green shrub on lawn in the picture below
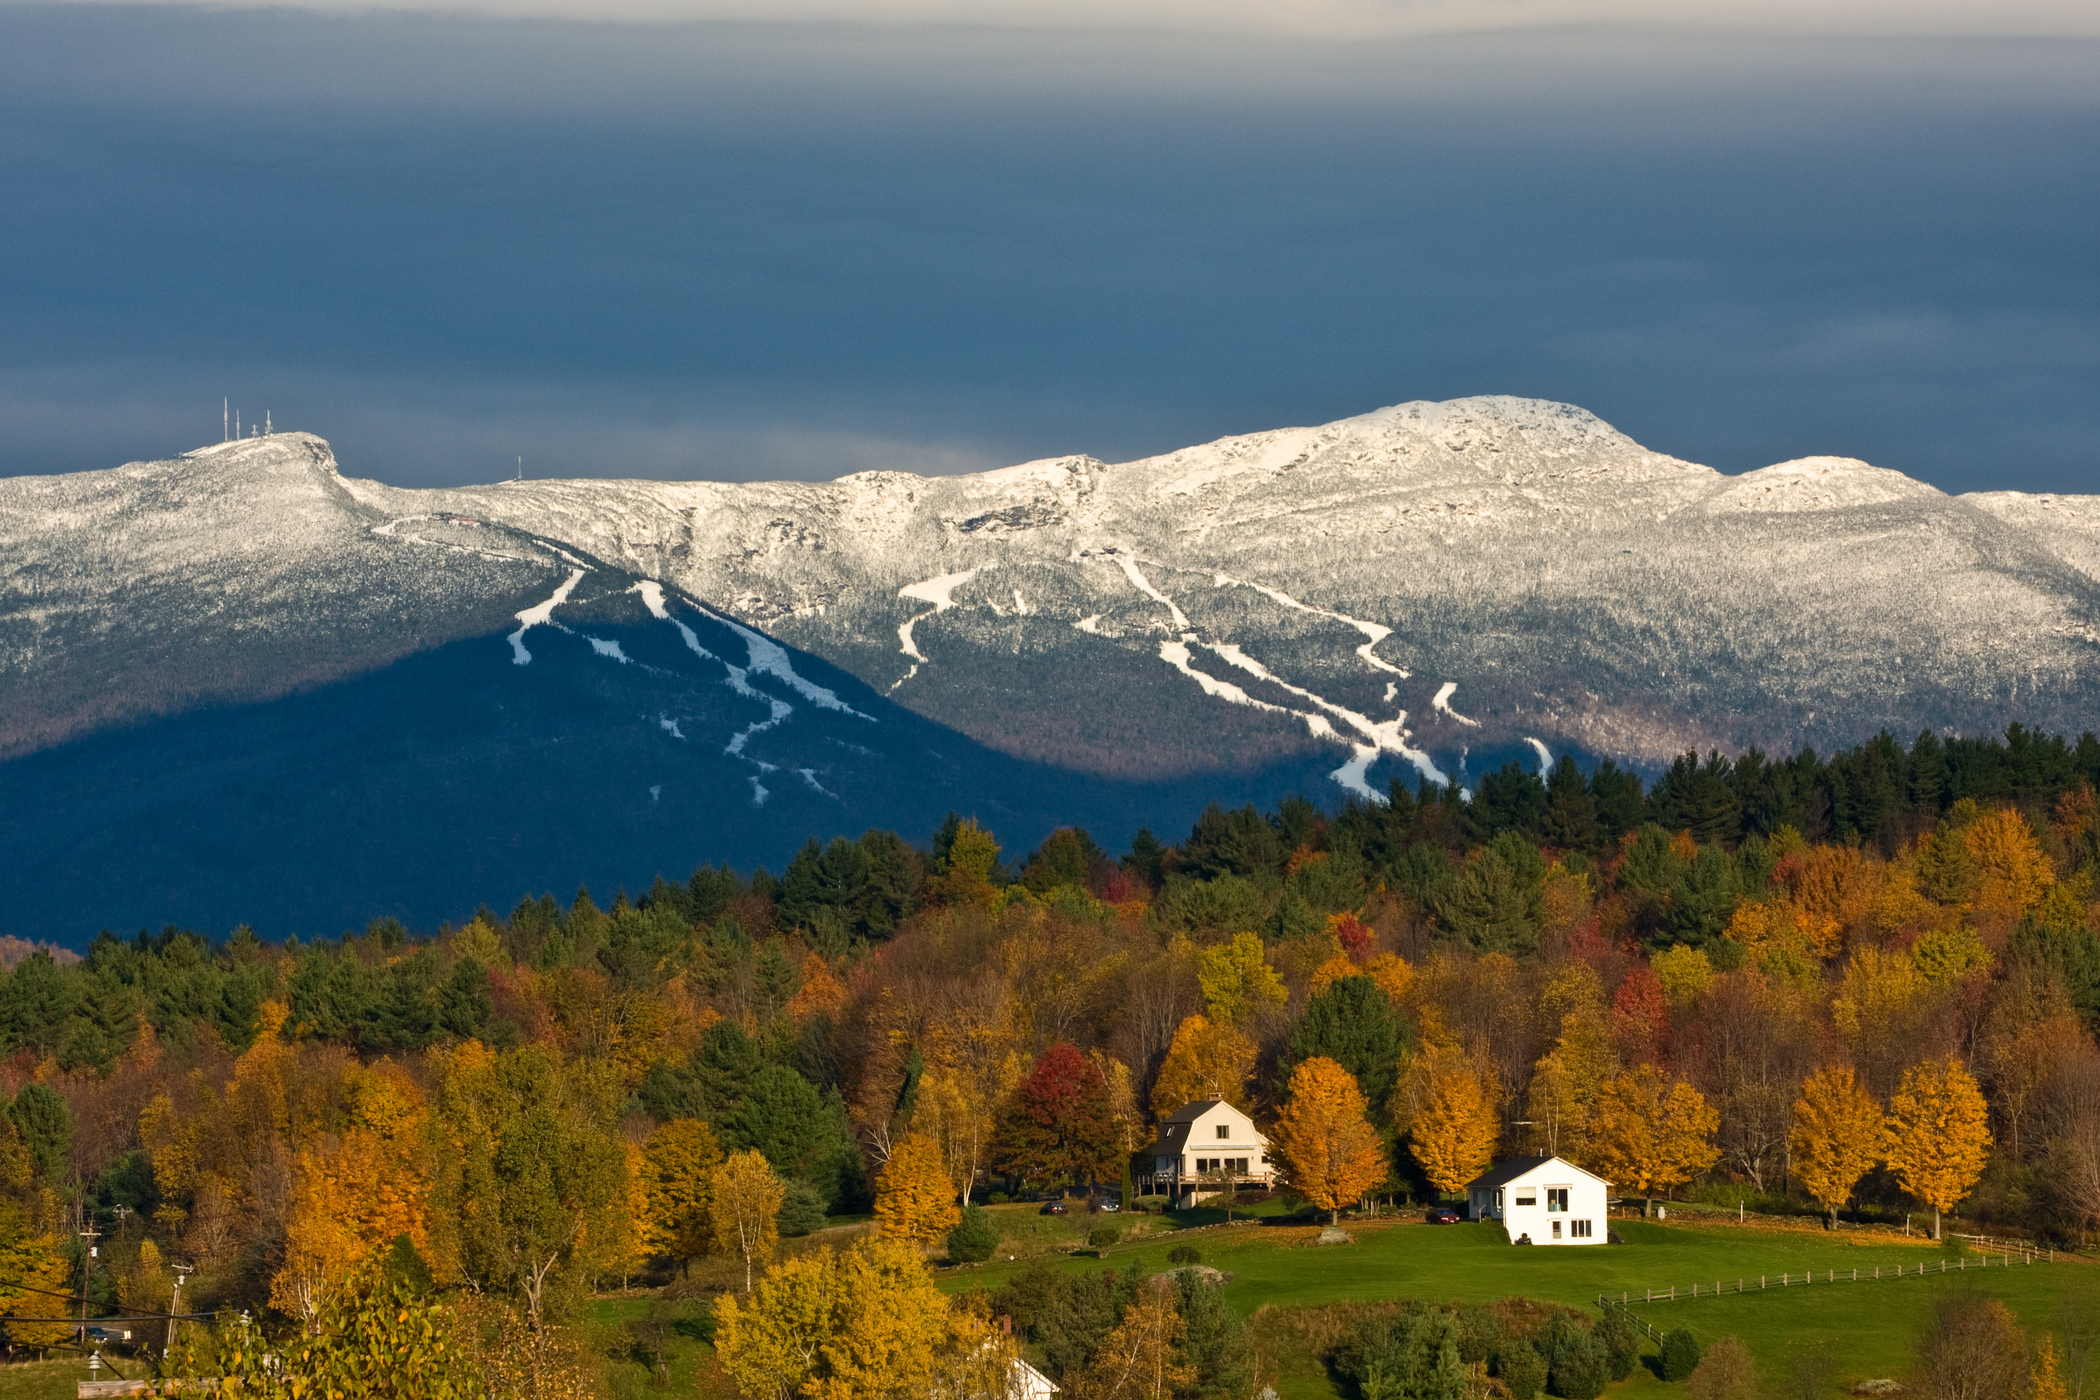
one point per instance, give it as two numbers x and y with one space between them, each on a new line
1104 1235
975 1238
1680 1354
1184 1254
1622 1342
1522 1369
1577 1365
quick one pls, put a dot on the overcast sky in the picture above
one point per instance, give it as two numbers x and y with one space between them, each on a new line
939 235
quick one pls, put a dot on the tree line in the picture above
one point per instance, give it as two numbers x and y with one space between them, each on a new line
1870 981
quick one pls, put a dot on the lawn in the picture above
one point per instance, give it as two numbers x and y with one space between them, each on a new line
1868 1326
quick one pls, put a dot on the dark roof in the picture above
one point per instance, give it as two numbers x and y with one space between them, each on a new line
1191 1112
1174 1130
1515 1167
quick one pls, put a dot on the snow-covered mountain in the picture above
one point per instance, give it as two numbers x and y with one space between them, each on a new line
1403 586
1418 590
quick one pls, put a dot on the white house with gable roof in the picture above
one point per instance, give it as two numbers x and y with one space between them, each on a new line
1543 1200
1201 1149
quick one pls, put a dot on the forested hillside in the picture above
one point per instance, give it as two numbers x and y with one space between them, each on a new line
1779 979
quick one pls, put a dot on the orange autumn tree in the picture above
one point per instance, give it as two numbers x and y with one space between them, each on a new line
1836 1136
355 1194
914 1197
1206 1060
677 1179
1939 1134
1330 1151
1653 1132
1456 1130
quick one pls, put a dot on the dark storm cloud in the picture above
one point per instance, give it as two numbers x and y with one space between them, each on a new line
741 251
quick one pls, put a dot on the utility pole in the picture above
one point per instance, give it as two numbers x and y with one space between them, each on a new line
225 421
182 1272
88 1237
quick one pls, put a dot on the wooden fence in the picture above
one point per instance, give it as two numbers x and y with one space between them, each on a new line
2007 1259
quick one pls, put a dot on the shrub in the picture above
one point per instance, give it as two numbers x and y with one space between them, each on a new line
801 1209
975 1238
1522 1369
1184 1254
997 1198
1151 1205
1726 1372
1622 1343
1680 1354
1480 1335
1577 1365
1104 1235
1414 1354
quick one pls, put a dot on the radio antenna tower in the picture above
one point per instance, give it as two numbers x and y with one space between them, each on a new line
225 422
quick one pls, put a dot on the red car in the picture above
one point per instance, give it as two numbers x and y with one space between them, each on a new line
1443 1215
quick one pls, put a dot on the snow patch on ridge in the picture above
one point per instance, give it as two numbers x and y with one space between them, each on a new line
1545 757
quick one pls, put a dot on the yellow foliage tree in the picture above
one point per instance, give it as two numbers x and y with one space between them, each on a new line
1237 981
1330 1151
1568 1081
914 1198
1332 971
862 1323
1653 1132
820 991
745 1208
1685 973
2047 1381
1949 953
1455 1132
356 1194
1142 1358
1206 1060
1939 1134
1393 975
1836 1136
2012 869
1877 1001
677 1178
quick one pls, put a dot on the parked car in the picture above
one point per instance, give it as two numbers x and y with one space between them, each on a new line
104 1336
1104 1205
1052 1208
1443 1215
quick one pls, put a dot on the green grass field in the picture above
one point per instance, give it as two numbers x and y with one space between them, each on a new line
1283 1282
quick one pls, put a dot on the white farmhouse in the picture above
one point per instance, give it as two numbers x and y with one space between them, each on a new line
1203 1147
1543 1200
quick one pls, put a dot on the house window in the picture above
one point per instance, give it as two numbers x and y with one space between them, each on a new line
1556 1198
1556 1229
1224 1130
1530 1200
1579 1229
1242 1168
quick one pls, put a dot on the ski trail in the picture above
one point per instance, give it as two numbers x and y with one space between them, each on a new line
1545 757
1388 737
809 775
1021 604
931 590
1090 623
537 614
1376 631
1144 586
611 649
670 727
1443 702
